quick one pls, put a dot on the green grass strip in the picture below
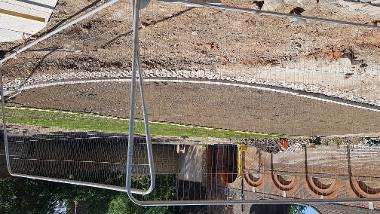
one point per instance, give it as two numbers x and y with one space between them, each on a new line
91 122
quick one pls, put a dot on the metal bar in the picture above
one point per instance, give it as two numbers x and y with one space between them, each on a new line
321 175
136 67
226 202
272 13
37 4
6 147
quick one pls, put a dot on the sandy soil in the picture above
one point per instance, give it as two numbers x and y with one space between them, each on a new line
214 106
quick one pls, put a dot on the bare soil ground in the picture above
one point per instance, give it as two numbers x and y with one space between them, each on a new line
175 37
178 38
214 106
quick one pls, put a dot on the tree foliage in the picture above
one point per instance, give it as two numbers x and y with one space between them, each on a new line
26 196
296 209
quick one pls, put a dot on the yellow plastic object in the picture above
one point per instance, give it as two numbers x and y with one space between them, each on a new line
241 150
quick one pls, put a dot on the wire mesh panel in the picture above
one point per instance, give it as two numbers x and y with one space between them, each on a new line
304 172
79 157
249 75
227 94
70 162
46 143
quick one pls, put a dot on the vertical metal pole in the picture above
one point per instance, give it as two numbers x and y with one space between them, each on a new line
5 135
136 68
132 101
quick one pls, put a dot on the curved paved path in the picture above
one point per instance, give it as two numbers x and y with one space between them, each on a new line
264 87
211 103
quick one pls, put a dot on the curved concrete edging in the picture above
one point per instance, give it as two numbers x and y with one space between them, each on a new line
278 89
